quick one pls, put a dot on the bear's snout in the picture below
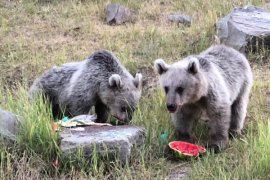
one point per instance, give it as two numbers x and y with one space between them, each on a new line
122 119
171 107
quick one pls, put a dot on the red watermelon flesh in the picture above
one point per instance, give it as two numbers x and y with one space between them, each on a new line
186 148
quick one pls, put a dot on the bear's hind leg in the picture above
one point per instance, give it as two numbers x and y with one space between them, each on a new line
239 110
183 121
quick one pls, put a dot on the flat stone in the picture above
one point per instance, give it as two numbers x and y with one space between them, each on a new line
245 28
180 18
106 140
181 171
9 123
118 14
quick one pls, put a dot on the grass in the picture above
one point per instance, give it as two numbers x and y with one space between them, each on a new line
36 35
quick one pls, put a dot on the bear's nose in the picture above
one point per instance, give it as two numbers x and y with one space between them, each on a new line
171 107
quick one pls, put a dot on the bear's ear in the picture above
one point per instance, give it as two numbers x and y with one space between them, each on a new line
138 80
193 67
160 66
115 81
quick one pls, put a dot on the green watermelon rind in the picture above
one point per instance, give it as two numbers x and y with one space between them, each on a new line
180 154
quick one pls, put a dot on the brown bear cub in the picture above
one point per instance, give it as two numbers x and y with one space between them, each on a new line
99 81
217 83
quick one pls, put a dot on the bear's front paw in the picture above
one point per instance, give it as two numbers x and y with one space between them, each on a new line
184 137
234 133
217 146
214 147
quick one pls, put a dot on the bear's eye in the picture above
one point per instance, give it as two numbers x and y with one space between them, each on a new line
166 89
179 90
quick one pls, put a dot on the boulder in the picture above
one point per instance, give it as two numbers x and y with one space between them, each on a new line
246 28
117 14
180 18
9 123
111 141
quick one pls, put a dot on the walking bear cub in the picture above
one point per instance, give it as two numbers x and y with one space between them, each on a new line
216 82
99 81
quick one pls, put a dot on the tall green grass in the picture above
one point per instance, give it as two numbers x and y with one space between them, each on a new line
35 134
248 158
37 145
37 139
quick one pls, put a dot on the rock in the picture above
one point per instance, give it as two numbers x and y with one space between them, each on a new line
181 171
245 28
267 95
9 123
266 6
107 140
117 14
180 18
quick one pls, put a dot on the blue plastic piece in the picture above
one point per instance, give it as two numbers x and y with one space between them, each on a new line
65 119
164 136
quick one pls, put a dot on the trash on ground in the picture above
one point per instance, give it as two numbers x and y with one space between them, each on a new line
81 120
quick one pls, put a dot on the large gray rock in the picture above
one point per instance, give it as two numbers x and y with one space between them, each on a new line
107 140
117 14
245 28
9 123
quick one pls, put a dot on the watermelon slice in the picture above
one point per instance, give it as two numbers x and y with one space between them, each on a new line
186 149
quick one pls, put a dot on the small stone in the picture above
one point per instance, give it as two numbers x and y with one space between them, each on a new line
107 140
268 97
180 172
118 14
266 6
180 18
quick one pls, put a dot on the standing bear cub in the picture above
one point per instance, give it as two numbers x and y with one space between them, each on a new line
99 81
217 83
